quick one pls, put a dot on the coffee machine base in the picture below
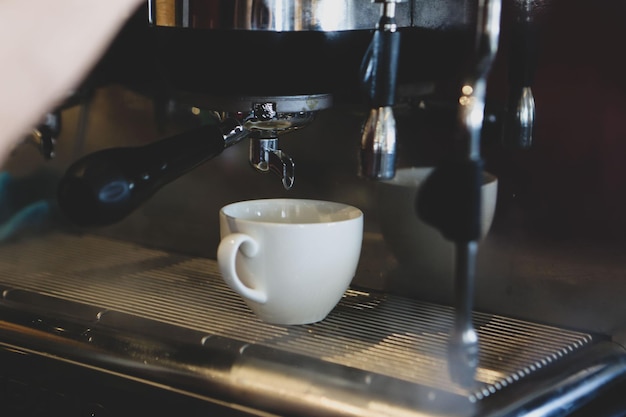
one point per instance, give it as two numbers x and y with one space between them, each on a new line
117 320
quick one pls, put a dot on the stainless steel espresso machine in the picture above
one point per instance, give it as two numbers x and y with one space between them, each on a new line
112 302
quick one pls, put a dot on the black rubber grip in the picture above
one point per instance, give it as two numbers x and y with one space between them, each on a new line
104 187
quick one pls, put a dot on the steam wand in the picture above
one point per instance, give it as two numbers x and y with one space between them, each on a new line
450 198
378 76
520 119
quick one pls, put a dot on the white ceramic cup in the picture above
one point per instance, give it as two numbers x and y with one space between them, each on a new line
290 259
420 249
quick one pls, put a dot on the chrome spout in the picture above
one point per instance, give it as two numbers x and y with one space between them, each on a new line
266 157
265 124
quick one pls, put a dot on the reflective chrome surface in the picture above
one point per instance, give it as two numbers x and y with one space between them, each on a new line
521 121
266 157
271 15
377 153
304 15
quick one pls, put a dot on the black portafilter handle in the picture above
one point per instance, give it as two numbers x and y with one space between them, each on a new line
104 187
450 200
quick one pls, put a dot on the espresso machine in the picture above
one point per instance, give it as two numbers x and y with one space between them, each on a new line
112 302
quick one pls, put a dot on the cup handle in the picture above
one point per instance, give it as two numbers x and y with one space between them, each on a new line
226 259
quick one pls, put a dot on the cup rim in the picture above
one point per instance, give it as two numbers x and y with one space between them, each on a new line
424 172
350 212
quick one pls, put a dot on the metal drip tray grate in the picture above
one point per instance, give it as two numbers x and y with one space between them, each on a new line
387 335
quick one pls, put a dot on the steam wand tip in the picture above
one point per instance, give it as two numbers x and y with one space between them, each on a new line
378 145
463 352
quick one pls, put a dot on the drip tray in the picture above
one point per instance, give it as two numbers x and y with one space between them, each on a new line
375 354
